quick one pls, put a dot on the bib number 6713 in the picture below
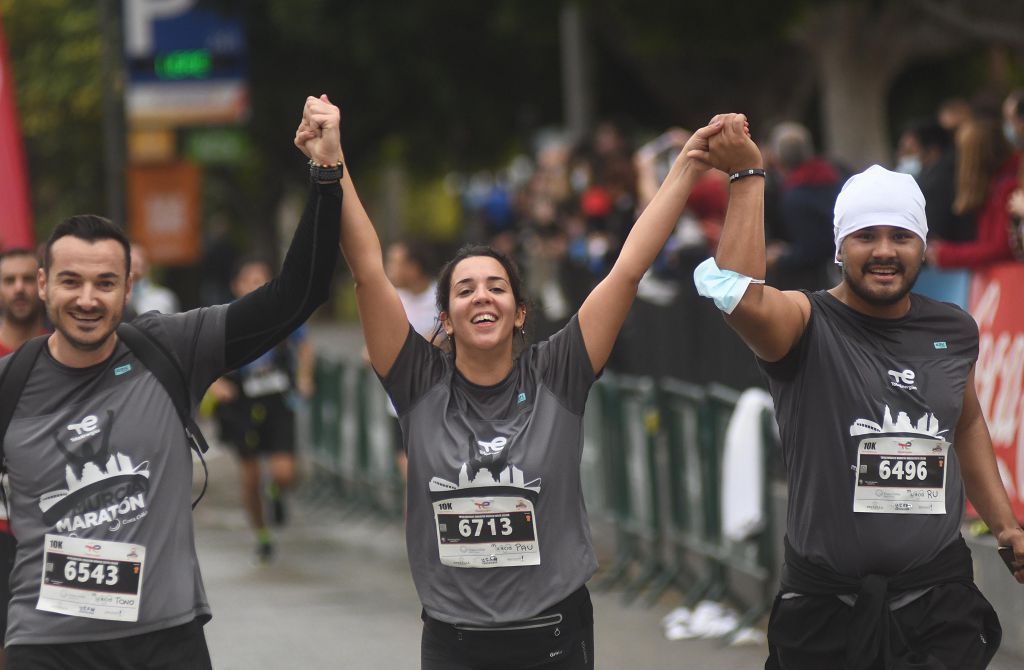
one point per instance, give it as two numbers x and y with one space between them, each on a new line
473 527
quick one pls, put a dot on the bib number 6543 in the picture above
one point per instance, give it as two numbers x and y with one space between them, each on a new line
84 571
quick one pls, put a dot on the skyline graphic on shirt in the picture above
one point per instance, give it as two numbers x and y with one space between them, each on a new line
117 465
487 466
928 425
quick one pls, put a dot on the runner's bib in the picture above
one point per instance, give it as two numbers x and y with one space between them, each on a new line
901 475
95 579
266 383
486 531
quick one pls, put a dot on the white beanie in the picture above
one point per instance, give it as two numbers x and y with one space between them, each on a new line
878 197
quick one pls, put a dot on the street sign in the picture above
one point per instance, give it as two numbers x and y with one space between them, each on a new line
186 66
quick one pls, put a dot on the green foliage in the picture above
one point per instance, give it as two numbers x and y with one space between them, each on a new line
457 81
55 48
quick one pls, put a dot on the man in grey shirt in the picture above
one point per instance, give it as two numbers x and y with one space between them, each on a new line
883 435
106 574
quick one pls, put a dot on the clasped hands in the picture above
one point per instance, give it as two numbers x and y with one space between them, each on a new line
724 144
319 133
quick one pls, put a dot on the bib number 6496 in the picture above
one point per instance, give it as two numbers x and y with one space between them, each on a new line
903 470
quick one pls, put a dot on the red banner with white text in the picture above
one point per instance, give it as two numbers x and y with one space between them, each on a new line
997 304
16 228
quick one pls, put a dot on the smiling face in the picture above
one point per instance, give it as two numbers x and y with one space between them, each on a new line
881 264
19 289
85 289
482 310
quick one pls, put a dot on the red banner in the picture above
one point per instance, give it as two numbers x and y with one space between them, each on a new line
16 228
997 303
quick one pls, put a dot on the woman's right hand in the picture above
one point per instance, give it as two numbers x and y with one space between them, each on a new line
695 152
732 149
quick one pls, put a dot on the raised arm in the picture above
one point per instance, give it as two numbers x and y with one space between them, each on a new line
264 317
385 325
980 473
645 160
603 312
769 321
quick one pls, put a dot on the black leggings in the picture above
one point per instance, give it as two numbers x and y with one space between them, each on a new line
559 638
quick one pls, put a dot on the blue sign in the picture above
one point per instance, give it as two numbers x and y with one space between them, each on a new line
174 41
186 66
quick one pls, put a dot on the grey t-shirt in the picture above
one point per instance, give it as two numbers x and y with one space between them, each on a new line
852 378
524 433
99 453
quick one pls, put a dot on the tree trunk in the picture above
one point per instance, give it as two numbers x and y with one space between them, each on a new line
853 98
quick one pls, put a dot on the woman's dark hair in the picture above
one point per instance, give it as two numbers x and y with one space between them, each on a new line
444 282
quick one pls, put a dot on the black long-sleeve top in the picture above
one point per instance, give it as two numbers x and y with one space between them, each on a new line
258 321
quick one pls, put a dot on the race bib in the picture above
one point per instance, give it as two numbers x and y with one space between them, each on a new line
486 531
266 383
95 579
901 475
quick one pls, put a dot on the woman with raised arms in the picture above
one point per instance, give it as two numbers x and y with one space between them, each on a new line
497 532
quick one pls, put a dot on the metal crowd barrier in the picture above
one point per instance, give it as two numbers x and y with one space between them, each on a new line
661 448
658 470
350 441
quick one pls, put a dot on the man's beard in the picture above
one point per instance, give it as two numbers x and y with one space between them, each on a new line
83 345
28 318
867 296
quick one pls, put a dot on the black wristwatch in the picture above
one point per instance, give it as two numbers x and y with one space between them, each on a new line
325 174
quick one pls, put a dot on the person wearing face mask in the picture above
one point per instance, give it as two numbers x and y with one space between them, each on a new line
1013 127
926 153
986 176
1013 119
497 533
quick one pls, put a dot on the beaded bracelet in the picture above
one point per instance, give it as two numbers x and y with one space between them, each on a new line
326 173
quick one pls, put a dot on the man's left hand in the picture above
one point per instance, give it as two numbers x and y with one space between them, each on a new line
1014 537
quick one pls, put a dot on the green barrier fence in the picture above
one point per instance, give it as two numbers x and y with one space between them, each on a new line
351 449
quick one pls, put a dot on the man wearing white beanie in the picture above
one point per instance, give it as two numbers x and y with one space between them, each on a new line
882 433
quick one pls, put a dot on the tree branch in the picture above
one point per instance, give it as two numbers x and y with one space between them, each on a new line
1002 25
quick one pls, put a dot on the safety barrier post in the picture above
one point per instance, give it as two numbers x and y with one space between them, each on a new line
326 409
681 406
615 479
642 425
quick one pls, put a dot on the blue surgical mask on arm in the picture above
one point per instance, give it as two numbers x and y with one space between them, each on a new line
725 287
